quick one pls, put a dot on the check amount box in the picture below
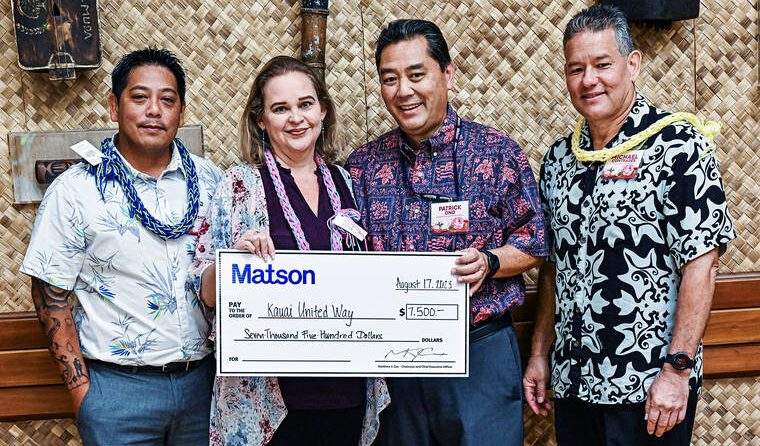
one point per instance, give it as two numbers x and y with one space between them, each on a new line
436 312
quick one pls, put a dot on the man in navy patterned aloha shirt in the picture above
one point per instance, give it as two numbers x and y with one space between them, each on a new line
634 243
132 344
436 156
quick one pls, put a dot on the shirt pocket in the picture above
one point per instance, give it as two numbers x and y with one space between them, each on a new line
487 226
629 209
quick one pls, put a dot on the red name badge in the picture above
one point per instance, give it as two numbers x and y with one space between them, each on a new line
450 217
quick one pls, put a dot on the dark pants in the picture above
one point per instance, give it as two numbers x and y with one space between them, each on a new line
146 408
313 427
583 424
481 410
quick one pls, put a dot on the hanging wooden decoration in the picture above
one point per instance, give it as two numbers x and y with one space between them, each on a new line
314 33
57 36
657 10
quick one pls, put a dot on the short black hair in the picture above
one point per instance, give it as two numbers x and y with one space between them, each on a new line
407 29
147 56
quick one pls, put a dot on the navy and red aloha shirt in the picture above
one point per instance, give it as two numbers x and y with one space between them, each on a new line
393 185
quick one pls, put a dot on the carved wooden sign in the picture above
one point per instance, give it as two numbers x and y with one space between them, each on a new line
57 36
38 157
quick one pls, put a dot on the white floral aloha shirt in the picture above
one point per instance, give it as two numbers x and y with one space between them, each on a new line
246 411
619 246
133 305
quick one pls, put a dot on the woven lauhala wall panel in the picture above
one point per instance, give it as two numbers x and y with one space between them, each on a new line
220 44
40 433
728 89
14 222
345 72
727 415
509 75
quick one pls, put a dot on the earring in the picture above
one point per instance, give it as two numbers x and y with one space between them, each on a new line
263 139
322 135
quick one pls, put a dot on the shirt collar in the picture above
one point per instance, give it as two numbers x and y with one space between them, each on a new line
440 139
175 163
641 116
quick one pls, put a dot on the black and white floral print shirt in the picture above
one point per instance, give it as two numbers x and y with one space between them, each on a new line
618 246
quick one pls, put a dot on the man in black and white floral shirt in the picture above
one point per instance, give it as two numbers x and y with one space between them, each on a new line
637 219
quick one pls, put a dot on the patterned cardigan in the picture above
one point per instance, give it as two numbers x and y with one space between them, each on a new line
247 410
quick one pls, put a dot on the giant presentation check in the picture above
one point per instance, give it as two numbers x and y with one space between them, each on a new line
317 313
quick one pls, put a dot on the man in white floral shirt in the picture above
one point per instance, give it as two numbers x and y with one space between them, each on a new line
109 256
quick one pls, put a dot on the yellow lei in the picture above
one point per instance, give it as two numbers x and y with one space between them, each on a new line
708 128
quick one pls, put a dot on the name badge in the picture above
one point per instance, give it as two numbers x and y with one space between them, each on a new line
623 167
451 217
86 150
350 226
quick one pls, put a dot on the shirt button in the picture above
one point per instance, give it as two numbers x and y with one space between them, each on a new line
435 153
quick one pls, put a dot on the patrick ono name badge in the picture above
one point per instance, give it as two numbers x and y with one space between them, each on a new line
623 167
451 217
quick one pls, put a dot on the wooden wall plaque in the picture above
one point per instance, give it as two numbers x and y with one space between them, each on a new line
57 36
38 157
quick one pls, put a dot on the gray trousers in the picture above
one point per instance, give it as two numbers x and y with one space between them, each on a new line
147 409
481 410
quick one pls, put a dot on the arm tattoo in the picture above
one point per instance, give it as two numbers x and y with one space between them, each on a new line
53 310
54 298
53 326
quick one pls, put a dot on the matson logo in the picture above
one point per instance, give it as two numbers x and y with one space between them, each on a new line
271 276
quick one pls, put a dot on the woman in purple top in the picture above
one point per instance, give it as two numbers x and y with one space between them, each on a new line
284 197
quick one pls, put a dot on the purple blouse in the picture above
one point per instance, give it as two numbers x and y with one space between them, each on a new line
310 393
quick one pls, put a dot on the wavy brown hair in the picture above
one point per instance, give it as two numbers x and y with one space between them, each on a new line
251 148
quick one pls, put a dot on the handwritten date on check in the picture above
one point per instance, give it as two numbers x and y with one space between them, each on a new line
318 313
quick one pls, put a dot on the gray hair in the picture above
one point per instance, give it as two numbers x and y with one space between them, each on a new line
599 18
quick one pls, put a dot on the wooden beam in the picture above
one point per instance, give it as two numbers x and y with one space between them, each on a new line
28 368
740 290
733 327
35 403
29 378
53 401
735 290
731 360
20 331
720 361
